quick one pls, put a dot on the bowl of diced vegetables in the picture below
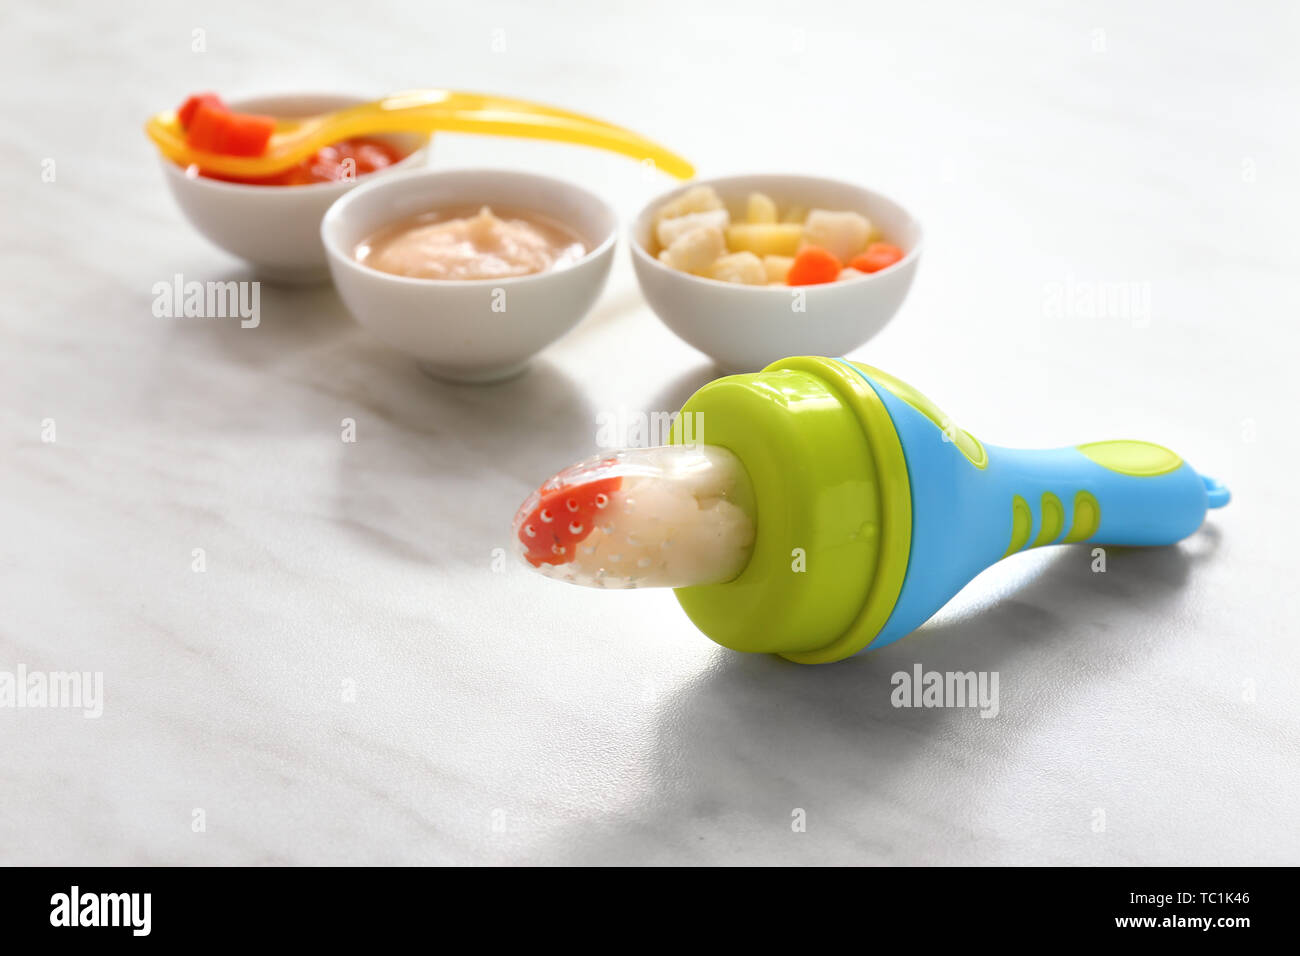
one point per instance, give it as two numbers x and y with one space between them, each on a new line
751 269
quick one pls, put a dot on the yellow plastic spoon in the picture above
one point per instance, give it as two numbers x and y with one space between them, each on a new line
416 111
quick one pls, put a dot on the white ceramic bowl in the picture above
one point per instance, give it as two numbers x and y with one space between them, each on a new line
744 328
469 330
276 228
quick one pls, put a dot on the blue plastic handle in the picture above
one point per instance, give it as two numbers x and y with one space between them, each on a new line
970 509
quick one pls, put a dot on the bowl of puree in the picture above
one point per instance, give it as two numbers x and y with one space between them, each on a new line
470 271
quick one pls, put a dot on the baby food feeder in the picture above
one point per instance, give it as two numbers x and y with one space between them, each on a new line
415 111
836 508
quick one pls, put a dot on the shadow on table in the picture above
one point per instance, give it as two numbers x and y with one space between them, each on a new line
291 320
420 443
308 335
442 463
756 736
674 395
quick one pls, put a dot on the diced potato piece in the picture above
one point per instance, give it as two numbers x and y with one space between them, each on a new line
760 208
764 239
842 234
742 267
777 267
696 251
795 214
670 230
695 199
849 273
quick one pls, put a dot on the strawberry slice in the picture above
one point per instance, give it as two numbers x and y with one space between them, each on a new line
562 518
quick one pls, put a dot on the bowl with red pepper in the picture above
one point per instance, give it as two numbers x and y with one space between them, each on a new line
273 222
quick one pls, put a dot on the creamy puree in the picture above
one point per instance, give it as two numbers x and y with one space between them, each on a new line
469 244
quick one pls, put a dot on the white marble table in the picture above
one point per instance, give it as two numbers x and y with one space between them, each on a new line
353 679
